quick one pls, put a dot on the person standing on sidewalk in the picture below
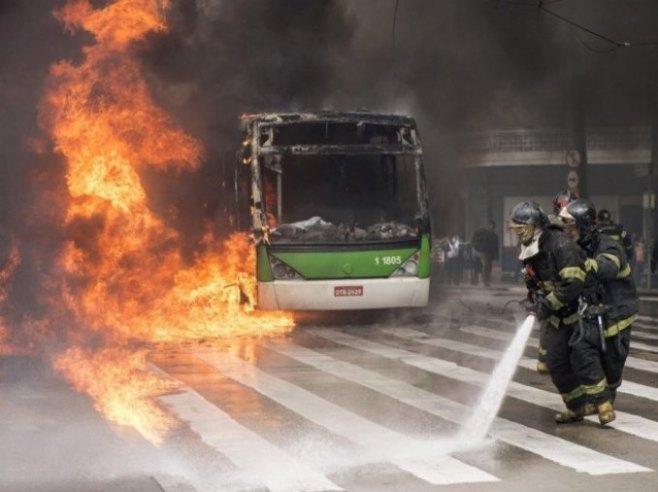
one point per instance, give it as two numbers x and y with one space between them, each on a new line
640 254
485 242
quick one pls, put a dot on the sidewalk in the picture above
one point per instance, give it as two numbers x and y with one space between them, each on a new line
648 298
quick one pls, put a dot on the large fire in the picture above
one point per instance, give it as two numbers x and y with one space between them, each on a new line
6 272
125 279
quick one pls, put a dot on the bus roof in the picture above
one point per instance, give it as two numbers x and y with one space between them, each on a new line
337 116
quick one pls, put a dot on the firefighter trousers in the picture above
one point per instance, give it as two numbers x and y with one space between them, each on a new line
614 359
600 371
560 365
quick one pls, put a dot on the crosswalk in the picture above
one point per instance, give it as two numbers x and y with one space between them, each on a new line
628 387
632 424
350 396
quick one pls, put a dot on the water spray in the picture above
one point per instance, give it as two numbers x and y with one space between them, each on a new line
477 427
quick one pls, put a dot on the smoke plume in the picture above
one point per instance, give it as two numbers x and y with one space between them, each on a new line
456 66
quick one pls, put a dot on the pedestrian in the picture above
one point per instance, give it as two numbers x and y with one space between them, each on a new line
460 266
555 274
601 349
474 262
479 241
607 226
442 250
639 255
453 259
485 242
654 256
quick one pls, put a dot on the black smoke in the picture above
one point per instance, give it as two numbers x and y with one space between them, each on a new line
31 175
457 66
223 59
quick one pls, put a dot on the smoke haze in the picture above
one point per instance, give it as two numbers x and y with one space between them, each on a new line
456 66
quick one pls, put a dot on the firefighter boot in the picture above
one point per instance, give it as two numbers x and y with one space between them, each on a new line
590 409
542 368
569 416
606 412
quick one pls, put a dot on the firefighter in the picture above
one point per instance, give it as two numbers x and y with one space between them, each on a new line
612 305
559 202
607 226
555 271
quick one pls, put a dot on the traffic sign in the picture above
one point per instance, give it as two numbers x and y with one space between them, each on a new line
573 158
572 180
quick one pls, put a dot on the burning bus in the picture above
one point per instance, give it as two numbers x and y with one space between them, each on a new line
338 209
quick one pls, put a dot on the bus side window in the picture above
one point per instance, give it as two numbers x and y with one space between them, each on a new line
242 189
270 196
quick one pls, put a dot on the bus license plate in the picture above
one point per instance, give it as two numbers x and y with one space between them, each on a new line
345 291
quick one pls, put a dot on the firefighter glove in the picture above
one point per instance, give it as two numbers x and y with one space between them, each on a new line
529 277
542 308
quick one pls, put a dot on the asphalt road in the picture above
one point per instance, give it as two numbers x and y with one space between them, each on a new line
360 402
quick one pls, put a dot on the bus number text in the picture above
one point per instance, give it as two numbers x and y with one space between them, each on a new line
388 260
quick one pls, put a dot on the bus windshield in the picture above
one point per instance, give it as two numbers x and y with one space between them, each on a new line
341 198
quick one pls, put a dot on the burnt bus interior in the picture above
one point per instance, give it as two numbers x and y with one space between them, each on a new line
340 181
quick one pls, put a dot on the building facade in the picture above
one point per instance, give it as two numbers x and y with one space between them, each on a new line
505 167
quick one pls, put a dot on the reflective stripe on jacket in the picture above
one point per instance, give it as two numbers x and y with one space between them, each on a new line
611 272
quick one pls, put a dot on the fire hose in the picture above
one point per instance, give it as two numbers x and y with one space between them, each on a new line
522 302
599 311
596 312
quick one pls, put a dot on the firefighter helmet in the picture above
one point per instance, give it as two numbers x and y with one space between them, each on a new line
604 216
525 219
580 214
561 200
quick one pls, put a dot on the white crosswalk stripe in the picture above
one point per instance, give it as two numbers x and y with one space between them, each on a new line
647 347
632 424
647 320
628 387
435 459
644 331
375 439
246 449
631 361
553 448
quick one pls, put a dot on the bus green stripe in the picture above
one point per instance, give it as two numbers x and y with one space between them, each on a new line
263 268
346 264
424 264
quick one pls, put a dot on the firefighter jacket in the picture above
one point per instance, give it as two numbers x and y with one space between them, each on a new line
557 271
617 232
613 284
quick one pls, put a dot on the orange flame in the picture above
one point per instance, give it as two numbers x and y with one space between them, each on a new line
117 387
6 273
125 276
